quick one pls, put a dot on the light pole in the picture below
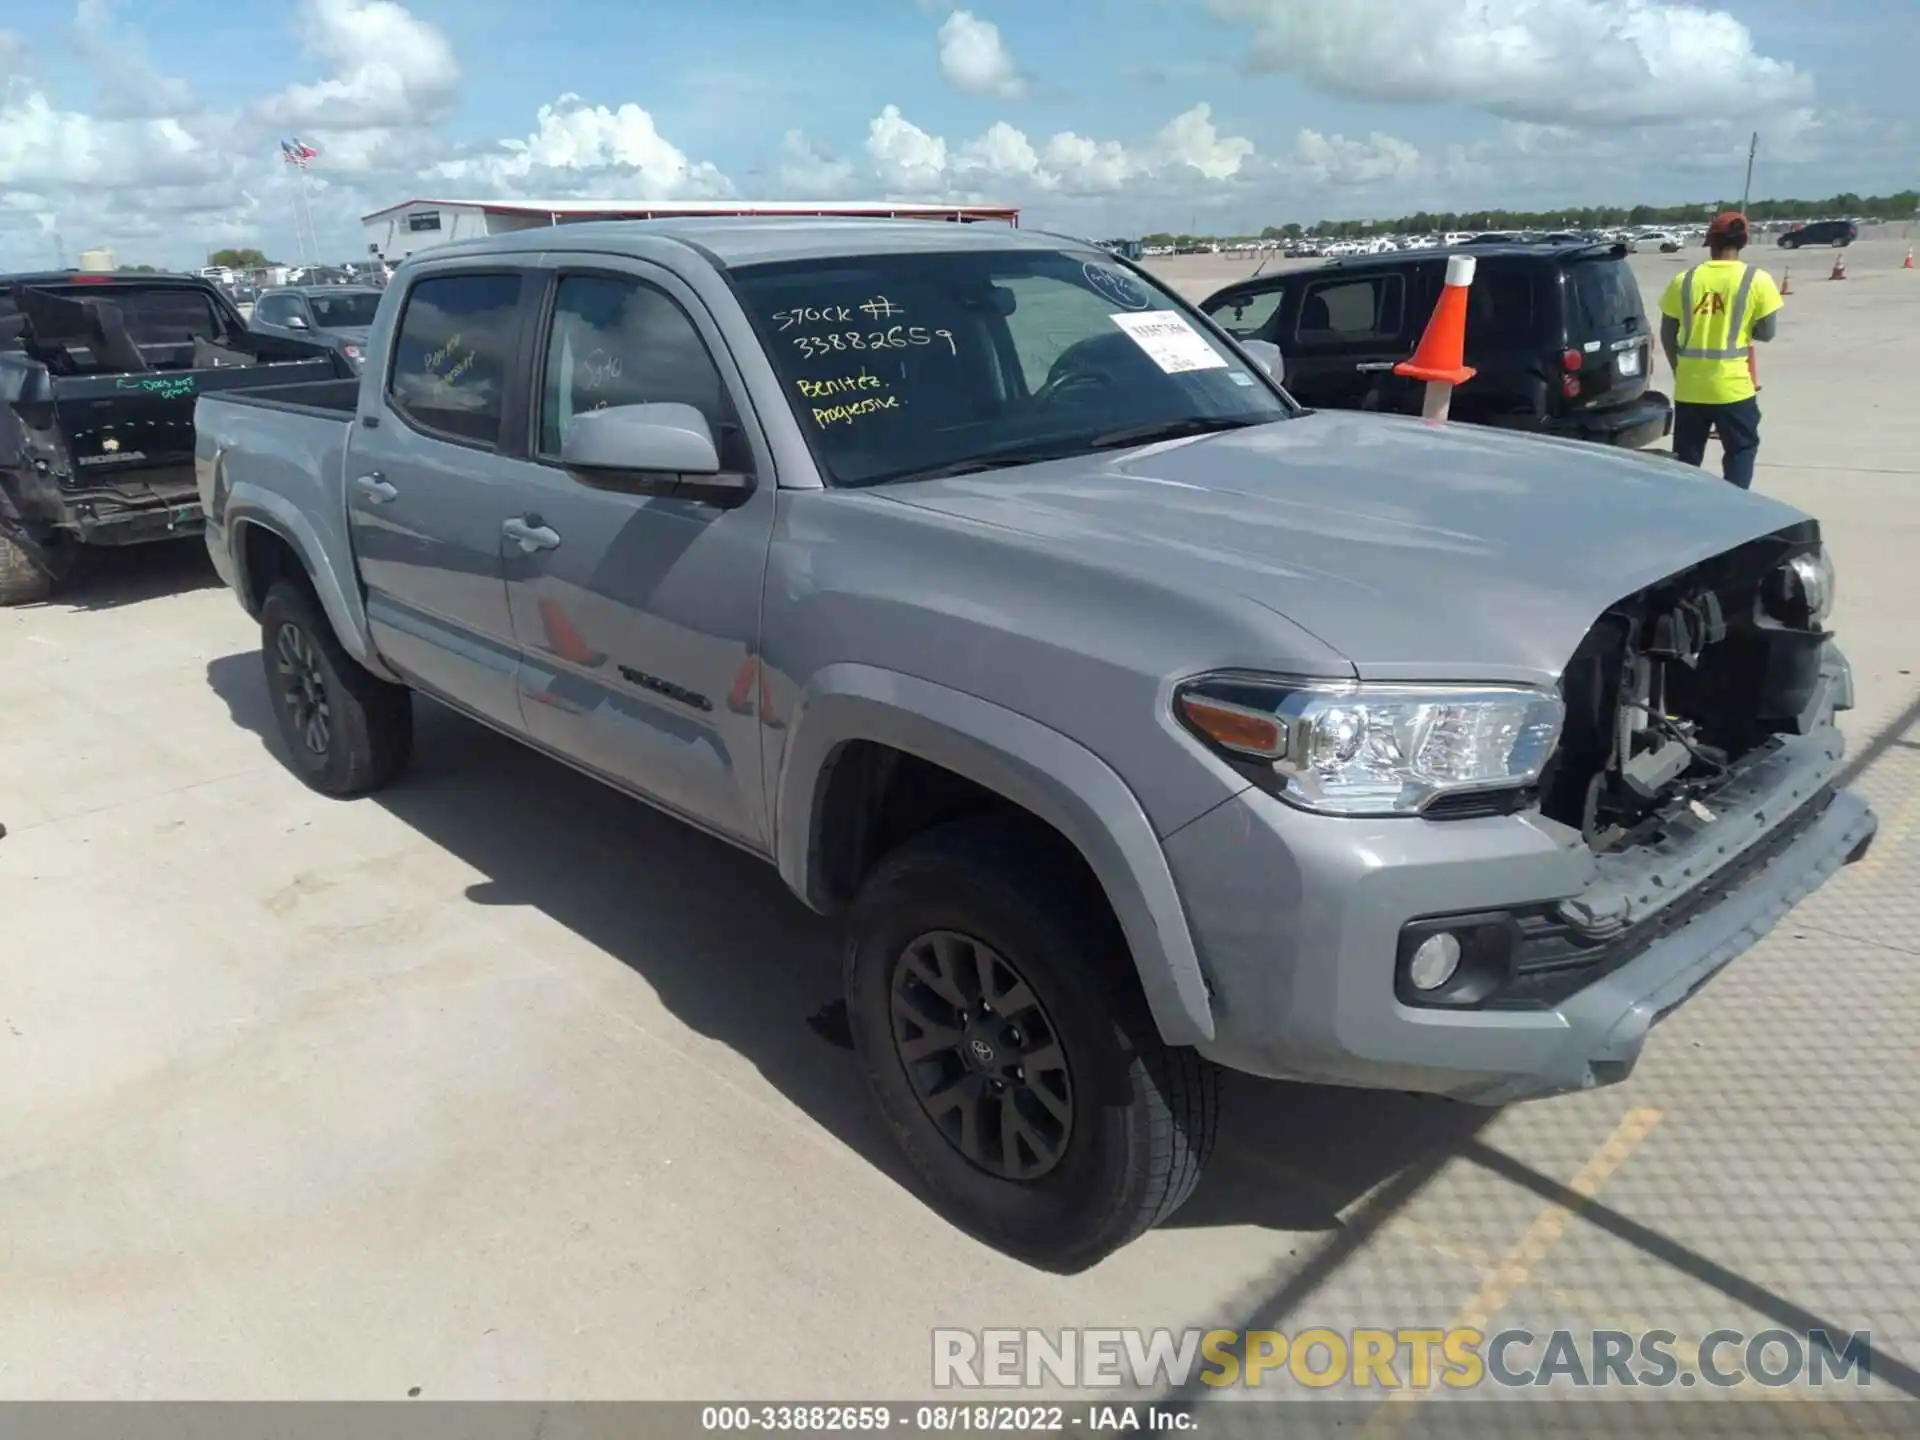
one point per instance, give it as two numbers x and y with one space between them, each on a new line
1746 191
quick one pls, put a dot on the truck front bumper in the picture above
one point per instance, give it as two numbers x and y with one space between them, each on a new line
1301 923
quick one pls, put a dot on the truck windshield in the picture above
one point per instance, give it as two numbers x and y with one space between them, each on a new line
344 312
902 366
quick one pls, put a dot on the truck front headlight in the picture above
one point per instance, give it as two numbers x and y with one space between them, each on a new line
1343 748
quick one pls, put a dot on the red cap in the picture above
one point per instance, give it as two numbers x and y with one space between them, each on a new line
1724 225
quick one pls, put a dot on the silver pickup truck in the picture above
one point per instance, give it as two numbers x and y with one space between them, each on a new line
1141 721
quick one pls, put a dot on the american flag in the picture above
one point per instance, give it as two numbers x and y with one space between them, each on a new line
296 151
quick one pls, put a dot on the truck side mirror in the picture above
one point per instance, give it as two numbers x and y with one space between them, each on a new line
666 438
655 449
1266 355
296 322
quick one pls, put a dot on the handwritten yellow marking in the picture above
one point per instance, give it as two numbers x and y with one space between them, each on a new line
1515 1268
839 385
847 414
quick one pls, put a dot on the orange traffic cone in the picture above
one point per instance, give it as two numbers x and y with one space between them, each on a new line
1907 264
1839 268
1786 282
1441 359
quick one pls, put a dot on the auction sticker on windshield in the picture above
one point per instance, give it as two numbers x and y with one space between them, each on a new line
1170 342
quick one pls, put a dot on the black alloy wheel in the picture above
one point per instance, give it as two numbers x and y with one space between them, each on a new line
347 731
995 1012
302 689
982 1055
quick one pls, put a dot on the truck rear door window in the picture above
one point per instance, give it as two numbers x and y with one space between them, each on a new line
453 353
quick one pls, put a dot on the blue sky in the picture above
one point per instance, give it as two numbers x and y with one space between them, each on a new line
152 127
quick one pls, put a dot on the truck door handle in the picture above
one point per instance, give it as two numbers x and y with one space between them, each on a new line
530 535
376 488
1375 367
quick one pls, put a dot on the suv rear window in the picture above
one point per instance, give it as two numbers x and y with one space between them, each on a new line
1605 295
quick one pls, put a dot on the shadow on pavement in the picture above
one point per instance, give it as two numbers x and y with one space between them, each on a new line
106 578
733 955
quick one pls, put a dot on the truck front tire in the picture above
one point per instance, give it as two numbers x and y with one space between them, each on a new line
21 581
347 731
1003 1034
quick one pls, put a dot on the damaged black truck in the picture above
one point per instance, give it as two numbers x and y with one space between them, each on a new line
98 378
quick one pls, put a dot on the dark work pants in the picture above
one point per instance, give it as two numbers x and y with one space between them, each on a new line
1739 427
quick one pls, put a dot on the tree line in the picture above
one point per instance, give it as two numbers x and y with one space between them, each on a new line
1901 206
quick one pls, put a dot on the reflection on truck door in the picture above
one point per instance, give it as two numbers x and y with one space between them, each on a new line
637 623
426 492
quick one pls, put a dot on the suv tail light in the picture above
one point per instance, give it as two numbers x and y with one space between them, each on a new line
1570 386
1571 362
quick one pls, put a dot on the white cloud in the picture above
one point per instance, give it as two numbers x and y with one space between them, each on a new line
911 163
45 149
1600 62
975 60
1336 160
1191 139
389 69
905 157
591 149
809 170
1088 166
128 86
1002 151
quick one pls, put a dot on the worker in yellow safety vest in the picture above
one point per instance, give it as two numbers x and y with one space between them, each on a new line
1710 318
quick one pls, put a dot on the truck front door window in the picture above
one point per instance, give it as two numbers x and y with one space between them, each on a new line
621 342
452 355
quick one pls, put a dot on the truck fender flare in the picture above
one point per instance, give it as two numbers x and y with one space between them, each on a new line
1038 768
251 505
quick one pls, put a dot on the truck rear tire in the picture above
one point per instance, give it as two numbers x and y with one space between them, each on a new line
21 581
347 731
995 1012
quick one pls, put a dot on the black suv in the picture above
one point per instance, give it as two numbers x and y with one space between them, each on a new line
1556 334
1821 232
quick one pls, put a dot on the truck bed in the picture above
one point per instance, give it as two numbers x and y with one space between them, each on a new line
276 457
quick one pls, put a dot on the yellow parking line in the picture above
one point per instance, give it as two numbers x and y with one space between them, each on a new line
1515 1268
1593 1309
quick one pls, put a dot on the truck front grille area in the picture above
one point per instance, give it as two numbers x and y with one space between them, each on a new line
1531 958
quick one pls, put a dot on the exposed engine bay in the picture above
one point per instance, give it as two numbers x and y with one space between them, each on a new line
1676 684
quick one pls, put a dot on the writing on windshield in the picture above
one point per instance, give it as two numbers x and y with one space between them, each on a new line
904 363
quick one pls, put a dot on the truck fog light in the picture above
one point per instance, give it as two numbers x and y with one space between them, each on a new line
1435 961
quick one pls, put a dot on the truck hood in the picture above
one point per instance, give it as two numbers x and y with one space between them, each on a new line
1417 551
